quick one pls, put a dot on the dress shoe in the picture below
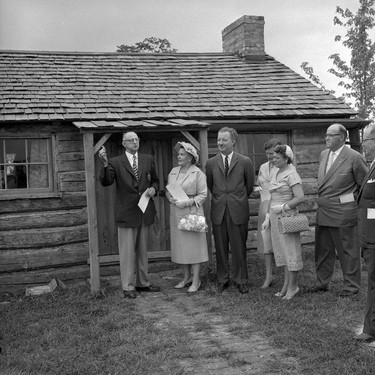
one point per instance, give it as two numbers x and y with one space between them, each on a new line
243 288
151 288
193 289
289 296
131 294
223 286
364 337
346 293
183 284
317 289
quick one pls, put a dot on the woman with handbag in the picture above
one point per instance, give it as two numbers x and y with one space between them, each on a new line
266 171
188 248
286 194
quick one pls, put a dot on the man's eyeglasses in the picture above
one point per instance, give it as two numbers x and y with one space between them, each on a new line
331 135
368 139
132 140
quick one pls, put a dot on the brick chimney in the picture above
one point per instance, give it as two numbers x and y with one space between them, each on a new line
245 37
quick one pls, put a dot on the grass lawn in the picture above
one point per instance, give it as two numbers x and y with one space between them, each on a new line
71 332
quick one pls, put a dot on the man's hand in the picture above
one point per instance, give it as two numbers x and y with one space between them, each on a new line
150 192
103 156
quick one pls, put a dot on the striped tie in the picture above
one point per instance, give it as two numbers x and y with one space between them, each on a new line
135 168
226 166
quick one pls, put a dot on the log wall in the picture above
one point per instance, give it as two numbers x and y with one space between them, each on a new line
51 231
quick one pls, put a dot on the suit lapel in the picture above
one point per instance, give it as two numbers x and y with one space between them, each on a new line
369 173
322 167
336 164
219 160
233 162
126 164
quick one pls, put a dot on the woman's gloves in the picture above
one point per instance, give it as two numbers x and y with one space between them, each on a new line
183 204
266 222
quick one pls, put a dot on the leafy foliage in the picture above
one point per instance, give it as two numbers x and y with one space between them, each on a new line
309 71
357 76
149 45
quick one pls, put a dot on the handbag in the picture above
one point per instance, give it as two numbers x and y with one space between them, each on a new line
193 222
293 223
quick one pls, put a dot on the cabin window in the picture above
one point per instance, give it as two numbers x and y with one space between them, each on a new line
25 165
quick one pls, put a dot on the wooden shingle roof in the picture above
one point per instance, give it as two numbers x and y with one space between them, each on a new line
116 86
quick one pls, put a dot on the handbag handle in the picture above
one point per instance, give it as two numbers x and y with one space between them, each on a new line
284 213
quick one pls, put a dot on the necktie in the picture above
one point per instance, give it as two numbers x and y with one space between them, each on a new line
135 168
226 166
331 159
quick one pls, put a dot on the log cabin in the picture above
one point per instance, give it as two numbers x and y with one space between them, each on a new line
58 108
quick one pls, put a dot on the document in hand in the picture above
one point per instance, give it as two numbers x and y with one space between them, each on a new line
177 192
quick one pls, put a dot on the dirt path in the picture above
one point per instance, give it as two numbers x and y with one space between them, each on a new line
223 352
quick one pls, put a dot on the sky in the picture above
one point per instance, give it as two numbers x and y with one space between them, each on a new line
295 30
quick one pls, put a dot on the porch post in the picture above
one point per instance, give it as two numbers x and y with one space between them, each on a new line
88 142
203 141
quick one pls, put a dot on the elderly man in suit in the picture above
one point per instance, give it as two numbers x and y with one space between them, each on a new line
230 179
341 172
134 175
366 229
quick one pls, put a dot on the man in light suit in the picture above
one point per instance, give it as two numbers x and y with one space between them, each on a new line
341 172
230 179
366 229
134 175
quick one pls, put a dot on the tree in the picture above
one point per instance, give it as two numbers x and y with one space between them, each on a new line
149 45
358 76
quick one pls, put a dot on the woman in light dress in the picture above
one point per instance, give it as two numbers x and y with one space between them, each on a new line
286 194
266 171
187 248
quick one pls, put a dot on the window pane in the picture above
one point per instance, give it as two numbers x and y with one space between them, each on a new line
16 177
2 177
37 150
38 176
15 148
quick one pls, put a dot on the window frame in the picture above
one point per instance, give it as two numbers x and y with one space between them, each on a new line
51 190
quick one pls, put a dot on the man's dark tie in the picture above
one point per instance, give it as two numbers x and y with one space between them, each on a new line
135 168
226 166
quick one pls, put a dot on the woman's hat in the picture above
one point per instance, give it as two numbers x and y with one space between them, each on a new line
188 148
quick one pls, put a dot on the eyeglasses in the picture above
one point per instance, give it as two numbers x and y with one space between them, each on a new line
331 135
133 140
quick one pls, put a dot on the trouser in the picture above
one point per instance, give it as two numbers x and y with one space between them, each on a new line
344 241
369 322
132 246
236 235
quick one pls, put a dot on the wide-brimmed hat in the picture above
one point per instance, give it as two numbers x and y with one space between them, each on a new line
188 147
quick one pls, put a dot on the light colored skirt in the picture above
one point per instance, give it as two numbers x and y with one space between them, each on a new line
264 237
186 247
286 247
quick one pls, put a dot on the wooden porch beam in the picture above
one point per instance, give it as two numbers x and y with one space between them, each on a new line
101 142
88 143
191 139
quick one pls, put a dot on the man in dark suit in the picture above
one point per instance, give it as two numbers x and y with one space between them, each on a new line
341 172
230 179
366 229
134 174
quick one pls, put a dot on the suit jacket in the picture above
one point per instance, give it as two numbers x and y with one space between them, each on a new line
366 200
344 177
231 192
129 190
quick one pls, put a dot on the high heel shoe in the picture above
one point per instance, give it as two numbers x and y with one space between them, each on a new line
183 284
193 289
291 295
280 294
